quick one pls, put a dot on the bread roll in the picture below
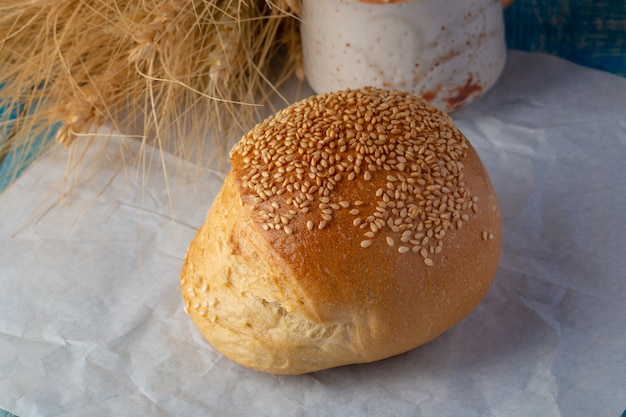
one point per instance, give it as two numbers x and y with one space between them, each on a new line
353 226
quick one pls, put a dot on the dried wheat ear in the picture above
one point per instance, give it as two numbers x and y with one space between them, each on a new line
171 72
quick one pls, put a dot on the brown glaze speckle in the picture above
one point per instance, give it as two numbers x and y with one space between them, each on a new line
463 93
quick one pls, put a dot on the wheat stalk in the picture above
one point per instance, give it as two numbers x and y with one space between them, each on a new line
184 75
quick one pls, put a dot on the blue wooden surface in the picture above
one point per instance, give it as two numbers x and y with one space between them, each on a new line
20 154
589 33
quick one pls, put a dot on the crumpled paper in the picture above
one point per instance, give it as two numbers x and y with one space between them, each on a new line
92 320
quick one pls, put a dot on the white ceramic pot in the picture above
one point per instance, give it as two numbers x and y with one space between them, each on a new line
447 51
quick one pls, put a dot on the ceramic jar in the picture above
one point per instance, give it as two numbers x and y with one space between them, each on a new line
449 52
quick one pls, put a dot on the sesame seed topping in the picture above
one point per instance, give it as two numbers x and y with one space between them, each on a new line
409 154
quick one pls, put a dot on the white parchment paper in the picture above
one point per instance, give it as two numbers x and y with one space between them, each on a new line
91 317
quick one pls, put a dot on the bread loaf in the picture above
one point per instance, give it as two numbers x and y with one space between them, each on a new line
353 226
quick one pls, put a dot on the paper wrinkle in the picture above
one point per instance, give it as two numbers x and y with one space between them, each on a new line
93 321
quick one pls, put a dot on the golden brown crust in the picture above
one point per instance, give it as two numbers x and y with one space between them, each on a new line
363 216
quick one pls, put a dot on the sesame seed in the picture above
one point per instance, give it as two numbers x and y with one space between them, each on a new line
403 249
428 261
390 241
306 150
366 243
